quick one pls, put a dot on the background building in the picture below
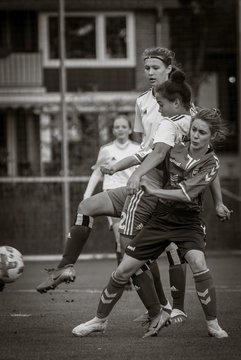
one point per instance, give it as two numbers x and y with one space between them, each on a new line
104 75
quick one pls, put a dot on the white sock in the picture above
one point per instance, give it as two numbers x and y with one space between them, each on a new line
100 319
212 323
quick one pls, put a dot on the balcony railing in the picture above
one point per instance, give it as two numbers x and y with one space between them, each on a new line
21 70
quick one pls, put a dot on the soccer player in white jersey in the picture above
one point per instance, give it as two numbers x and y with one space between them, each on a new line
158 65
109 154
188 170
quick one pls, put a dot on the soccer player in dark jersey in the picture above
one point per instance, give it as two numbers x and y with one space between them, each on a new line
189 169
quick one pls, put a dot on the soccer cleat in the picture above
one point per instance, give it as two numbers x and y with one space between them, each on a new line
144 317
93 325
56 277
167 308
157 323
215 330
178 316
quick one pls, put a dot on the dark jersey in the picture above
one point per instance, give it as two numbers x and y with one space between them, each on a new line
191 175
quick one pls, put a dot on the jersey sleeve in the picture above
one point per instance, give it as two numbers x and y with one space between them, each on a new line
183 127
166 133
141 155
103 158
194 185
138 127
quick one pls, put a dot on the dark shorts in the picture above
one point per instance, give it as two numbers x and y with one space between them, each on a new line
184 228
118 197
135 209
136 212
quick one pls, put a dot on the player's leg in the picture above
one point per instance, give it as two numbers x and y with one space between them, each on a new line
99 204
120 247
108 203
109 297
205 291
158 285
177 278
139 249
114 226
136 211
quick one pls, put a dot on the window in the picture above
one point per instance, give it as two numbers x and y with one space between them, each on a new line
116 37
83 135
80 37
91 39
18 32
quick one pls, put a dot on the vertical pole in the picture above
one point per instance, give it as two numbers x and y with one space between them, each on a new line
239 99
64 152
239 90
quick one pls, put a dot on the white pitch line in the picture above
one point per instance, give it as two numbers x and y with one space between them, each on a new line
225 289
104 256
51 292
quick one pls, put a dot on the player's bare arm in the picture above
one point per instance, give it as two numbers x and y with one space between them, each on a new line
164 194
123 164
95 177
152 160
221 210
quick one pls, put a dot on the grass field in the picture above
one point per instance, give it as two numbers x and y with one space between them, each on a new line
38 327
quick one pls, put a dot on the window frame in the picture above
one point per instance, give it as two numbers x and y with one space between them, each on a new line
101 60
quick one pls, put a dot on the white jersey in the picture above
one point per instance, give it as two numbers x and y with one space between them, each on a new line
110 154
172 130
155 127
147 118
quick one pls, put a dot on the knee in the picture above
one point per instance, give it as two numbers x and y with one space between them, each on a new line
122 275
84 207
171 247
197 262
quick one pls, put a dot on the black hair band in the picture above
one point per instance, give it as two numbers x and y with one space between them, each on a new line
155 57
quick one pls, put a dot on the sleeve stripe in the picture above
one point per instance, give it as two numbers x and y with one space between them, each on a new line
138 158
141 155
184 192
177 117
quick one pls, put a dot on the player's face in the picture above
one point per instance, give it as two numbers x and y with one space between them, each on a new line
156 71
166 107
200 134
121 129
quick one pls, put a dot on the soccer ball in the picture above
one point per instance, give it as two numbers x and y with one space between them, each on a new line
11 264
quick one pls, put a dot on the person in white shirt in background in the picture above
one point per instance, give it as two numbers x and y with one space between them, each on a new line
121 147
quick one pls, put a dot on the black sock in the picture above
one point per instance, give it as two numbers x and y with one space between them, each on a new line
76 239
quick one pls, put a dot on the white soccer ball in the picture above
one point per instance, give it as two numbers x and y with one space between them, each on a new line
11 264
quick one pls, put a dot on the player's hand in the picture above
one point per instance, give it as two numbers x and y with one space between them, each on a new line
107 169
223 212
133 184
